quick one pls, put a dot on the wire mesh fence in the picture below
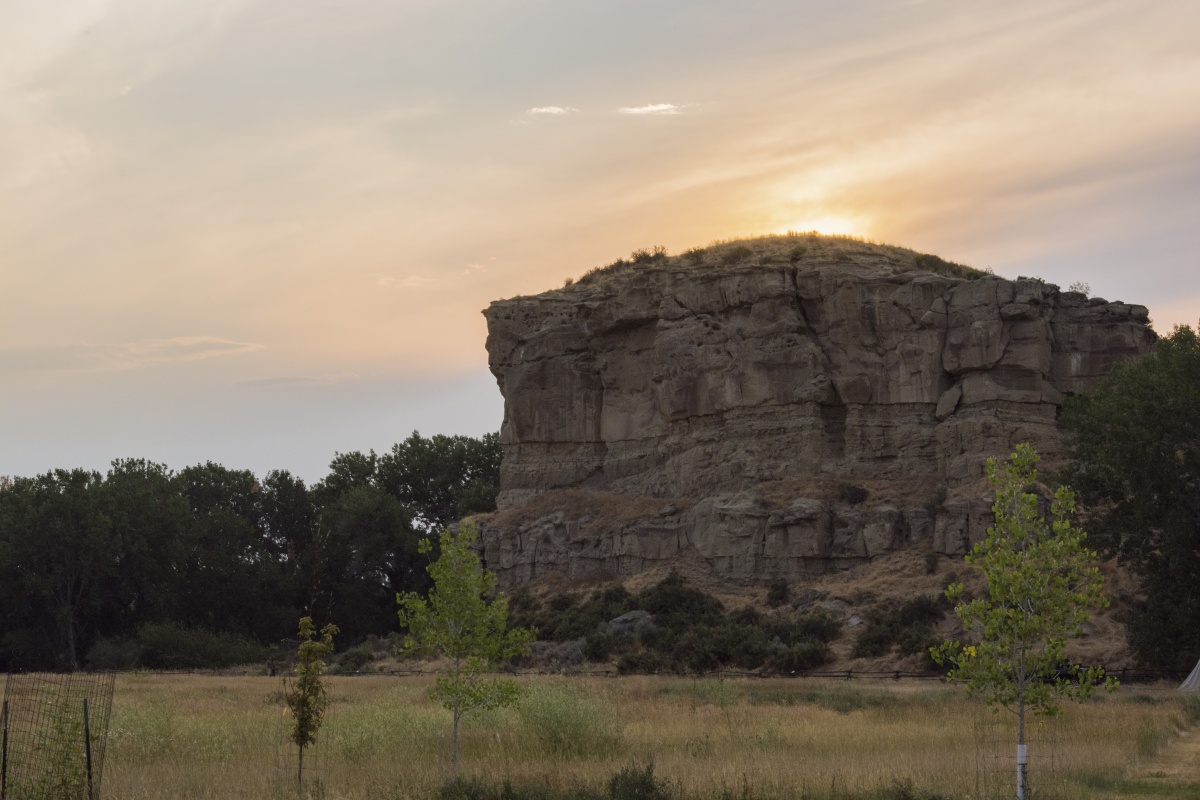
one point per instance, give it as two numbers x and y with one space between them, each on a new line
996 755
53 732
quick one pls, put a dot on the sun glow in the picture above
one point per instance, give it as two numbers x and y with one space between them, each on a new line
828 225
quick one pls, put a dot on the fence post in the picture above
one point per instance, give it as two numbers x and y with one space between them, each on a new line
4 751
87 747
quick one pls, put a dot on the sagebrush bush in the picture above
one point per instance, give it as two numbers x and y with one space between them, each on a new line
799 658
354 659
737 255
687 632
638 783
908 625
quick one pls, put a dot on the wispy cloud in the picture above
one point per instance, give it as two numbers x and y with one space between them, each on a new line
551 111
652 108
111 357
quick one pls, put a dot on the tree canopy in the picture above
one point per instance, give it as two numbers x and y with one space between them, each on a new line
88 559
1136 463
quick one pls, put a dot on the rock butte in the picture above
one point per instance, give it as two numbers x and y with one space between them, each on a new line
777 407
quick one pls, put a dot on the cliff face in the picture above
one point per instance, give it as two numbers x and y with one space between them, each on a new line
791 405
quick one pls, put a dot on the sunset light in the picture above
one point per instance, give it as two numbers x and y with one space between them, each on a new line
829 226
260 233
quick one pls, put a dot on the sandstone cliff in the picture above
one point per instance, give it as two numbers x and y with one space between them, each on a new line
776 407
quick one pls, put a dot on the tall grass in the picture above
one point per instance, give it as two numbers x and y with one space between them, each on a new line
211 737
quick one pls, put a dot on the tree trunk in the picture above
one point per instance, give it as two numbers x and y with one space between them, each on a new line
454 743
300 773
71 657
1022 770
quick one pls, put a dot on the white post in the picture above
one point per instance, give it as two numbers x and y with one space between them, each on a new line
1021 761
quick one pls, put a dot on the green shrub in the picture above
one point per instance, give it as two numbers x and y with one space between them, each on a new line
600 646
693 633
778 593
113 654
569 724
652 256
940 266
565 617
631 783
800 658
1191 708
638 783
737 255
694 651
1151 738
909 625
354 659
819 626
171 646
875 640
678 606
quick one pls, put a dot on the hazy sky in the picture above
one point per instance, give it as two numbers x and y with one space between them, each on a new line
259 232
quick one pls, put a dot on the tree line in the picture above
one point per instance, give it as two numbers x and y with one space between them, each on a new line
88 558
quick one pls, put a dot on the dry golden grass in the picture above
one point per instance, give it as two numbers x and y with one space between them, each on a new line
220 737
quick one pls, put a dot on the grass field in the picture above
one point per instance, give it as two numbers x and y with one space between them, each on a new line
180 736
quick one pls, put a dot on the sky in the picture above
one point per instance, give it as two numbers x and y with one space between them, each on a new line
261 232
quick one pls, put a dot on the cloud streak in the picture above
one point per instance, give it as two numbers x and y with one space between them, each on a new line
551 111
652 109
112 357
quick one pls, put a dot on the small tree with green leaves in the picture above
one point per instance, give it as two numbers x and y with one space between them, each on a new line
465 622
307 696
1041 584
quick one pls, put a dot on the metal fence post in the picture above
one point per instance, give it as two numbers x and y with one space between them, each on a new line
87 747
4 751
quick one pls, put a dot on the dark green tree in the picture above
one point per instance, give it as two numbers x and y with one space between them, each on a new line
371 554
1136 466
149 518
290 523
56 549
231 575
443 478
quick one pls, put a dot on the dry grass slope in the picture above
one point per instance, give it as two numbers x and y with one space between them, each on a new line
807 250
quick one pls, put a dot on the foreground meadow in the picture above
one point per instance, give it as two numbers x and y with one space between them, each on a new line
225 737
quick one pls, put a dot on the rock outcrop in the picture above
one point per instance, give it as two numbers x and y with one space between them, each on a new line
777 407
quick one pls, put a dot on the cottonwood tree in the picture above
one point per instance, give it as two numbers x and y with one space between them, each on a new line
465 622
1041 585
1136 463
307 696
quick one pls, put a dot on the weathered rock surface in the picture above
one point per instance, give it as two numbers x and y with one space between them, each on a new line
818 404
